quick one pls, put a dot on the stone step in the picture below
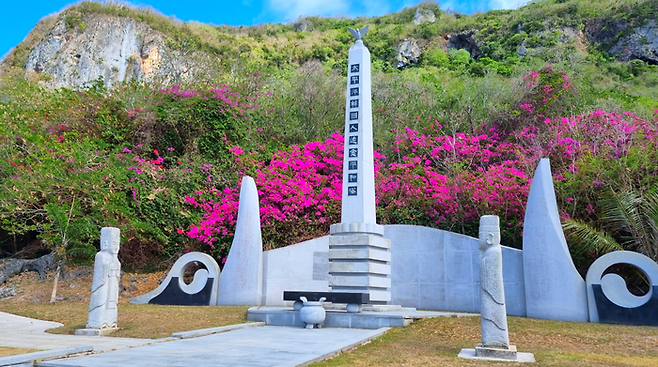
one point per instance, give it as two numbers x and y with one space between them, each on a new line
359 254
286 316
364 267
366 240
359 281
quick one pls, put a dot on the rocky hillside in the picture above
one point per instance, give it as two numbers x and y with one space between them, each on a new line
625 40
118 43
116 49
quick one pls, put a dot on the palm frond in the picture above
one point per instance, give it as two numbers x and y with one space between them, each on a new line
623 214
587 238
651 213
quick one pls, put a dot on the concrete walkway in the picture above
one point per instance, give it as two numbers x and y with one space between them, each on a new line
23 332
263 346
251 344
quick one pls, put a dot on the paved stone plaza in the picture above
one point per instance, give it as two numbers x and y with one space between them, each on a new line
248 346
252 344
263 346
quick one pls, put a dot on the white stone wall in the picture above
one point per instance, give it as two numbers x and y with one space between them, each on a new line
300 267
431 269
438 270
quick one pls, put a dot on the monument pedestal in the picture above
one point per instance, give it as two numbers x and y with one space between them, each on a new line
497 354
360 262
96 332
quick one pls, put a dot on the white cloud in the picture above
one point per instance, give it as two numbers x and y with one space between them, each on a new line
506 4
480 5
289 10
293 9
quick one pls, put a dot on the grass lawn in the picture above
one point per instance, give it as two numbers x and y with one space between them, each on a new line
9 351
436 342
136 321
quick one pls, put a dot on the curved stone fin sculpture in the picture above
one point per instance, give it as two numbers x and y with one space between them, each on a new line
202 291
242 276
553 288
608 297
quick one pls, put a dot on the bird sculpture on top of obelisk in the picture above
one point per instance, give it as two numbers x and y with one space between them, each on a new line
359 257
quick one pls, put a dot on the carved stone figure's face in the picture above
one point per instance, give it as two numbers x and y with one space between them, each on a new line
110 246
489 232
114 247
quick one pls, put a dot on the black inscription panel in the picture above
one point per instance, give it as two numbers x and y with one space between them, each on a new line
354 68
354 79
354 152
354 103
354 128
354 140
351 177
351 190
354 92
354 115
353 165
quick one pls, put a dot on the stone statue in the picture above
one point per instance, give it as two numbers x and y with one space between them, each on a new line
105 284
358 33
493 313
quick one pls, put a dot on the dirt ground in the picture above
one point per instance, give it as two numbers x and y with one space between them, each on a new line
27 295
74 285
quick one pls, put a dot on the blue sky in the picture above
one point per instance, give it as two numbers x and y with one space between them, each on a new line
18 18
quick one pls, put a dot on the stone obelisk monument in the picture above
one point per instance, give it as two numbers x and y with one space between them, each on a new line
359 255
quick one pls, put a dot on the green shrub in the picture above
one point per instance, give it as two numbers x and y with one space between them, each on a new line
459 57
436 57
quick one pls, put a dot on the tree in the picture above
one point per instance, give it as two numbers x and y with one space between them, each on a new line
629 221
69 237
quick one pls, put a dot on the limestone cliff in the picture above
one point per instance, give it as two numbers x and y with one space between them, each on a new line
626 42
115 49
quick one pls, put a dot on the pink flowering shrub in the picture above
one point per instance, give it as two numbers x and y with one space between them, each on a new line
594 153
540 94
543 88
299 191
449 181
435 178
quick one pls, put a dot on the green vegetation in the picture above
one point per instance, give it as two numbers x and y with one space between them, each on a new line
631 216
549 31
160 160
73 20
